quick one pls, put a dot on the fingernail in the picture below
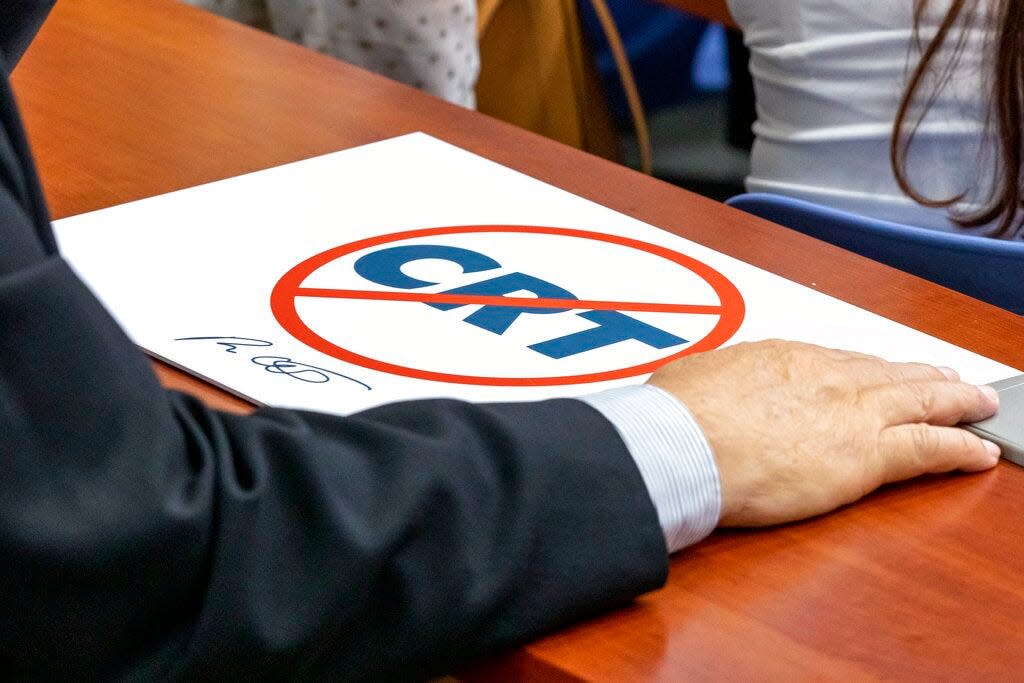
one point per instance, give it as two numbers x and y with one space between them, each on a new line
990 393
993 449
949 373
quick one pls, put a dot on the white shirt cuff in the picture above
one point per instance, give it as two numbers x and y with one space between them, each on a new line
673 456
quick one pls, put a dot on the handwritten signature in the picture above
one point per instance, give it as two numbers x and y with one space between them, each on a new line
278 365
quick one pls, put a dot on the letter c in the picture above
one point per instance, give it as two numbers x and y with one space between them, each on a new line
385 266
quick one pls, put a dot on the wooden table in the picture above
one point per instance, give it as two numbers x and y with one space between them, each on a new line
129 98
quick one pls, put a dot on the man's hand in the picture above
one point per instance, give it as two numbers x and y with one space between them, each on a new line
799 430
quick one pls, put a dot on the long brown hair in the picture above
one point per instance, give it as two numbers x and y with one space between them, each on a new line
1005 108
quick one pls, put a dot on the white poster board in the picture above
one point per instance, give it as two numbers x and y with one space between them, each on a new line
410 268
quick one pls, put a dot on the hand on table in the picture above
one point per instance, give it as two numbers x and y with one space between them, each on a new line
798 430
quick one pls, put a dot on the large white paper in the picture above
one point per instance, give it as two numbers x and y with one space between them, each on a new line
191 276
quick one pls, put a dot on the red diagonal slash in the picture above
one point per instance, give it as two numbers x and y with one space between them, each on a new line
288 290
509 301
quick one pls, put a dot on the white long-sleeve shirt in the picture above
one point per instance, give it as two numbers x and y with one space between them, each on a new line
828 77
674 458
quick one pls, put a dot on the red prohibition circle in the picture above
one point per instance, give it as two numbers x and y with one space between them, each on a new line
283 305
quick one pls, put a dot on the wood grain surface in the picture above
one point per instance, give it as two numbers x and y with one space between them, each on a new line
130 98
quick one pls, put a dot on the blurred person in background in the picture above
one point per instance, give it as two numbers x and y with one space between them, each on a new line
905 111
431 46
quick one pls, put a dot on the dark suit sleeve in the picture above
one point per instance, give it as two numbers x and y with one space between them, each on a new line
19 21
142 533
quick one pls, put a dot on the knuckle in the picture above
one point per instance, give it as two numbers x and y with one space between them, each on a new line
924 441
929 402
861 397
966 443
788 350
924 372
970 397
922 397
831 392
877 364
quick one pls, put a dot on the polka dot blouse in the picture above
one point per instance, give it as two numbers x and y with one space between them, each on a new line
428 44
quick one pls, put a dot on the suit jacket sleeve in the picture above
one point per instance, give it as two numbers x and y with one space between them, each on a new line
21 19
143 534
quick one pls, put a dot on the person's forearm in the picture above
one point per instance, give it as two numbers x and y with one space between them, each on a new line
712 10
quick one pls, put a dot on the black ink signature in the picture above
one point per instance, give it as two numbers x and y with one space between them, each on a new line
278 365
230 343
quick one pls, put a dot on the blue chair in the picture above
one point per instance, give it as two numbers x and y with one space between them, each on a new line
987 269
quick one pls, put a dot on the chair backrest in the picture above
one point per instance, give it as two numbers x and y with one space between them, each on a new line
987 269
